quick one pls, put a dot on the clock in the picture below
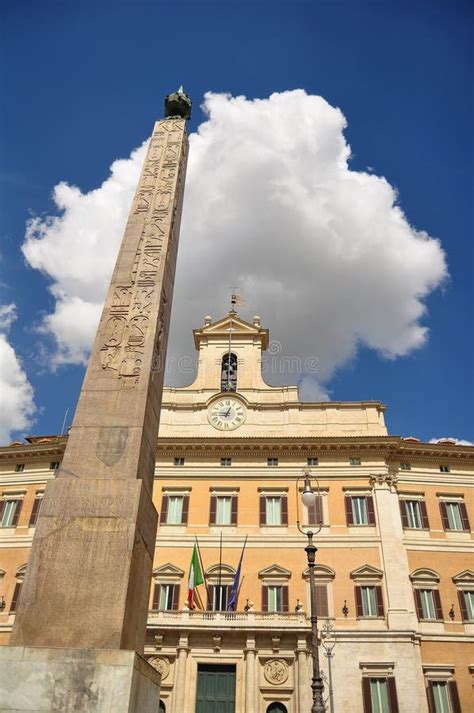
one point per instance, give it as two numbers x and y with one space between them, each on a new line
226 414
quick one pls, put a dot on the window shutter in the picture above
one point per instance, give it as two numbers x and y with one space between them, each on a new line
437 601
264 598
234 510
312 514
349 515
464 517
318 510
164 509
212 510
453 691
156 597
462 606
366 697
284 510
263 512
185 511
210 597
176 589
403 513
379 600
370 510
16 514
2 505
392 694
419 608
425 523
16 596
358 598
430 697
284 598
444 515
34 512
321 596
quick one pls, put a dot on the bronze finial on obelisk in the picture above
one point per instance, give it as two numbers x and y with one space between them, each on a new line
88 577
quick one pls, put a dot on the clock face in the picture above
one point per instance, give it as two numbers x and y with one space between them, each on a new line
226 414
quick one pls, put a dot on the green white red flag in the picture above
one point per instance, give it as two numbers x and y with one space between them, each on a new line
195 577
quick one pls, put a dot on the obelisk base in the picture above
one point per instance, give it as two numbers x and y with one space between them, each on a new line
47 680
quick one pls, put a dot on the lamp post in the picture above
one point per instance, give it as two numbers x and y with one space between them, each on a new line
307 498
328 642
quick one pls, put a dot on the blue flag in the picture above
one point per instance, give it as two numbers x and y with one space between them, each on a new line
234 593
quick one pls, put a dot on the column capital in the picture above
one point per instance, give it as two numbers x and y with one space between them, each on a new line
389 479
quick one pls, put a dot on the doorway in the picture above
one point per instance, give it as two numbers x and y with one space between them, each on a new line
215 689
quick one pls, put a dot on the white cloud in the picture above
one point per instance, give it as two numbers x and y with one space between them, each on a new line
454 441
17 395
324 254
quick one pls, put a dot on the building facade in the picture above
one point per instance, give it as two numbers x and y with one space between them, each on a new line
395 565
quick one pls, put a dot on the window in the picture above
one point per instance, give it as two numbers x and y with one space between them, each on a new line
223 510
161 707
428 605
272 461
178 461
315 511
414 514
54 465
360 510
444 468
226 461
443 697
277 708
273 510
321 600
19 468
405 466
379 695
354 461
466 604
369 601
454 515
313 461
220 597
229 373
275 598
166 597
35 510
10 512
174 509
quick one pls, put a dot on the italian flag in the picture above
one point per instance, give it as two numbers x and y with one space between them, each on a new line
195 577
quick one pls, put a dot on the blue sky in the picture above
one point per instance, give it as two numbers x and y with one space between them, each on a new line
83 82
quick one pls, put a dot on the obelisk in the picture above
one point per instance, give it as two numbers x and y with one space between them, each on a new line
88 577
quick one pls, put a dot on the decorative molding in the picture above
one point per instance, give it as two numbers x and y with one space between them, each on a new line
390 478
275 572
160 664
276 671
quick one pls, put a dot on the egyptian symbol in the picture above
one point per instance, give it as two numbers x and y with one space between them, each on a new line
137 331
114 331
131 364
121 297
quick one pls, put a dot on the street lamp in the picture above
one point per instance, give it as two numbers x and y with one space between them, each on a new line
307 497
328 642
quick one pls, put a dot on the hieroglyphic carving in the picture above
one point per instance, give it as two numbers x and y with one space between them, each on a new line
126 328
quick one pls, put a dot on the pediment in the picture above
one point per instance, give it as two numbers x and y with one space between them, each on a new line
367 571
466 576
232 321
321 571
21 571
168 570
223 569
424 574
274 572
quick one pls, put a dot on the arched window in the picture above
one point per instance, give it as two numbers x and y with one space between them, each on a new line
229 373
277 708
162 707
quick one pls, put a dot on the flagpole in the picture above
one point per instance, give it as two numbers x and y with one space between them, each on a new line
220 569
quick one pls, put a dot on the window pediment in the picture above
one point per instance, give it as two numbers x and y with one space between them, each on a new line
21 571
275 574
168 571
223 574
322 573
367 573
424 577
464 578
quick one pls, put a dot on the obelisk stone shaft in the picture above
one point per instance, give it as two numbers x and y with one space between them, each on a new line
88 577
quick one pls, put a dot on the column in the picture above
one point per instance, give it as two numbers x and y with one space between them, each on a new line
180 679
304 681
250 688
